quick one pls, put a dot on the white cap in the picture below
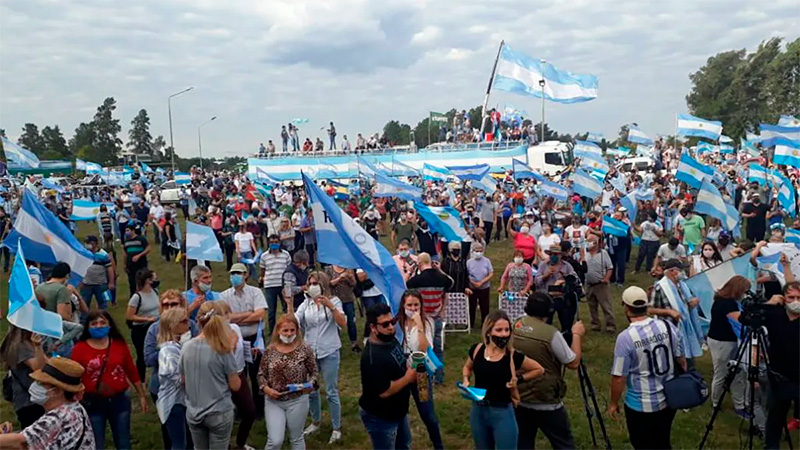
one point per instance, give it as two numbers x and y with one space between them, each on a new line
635 297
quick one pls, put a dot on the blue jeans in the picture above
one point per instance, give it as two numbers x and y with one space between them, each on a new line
428 415
350 311
493 426
387 434
329 368
176 426
117 411
333 143
285 145
97 291
438 325
368 303
272 295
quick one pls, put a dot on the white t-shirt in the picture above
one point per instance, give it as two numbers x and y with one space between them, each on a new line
606 202
545 242
412 337
576 235
245 241
238 351
157 212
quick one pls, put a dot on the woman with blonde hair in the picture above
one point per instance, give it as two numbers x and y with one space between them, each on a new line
171 402
496 366
208 368
287 374
321 316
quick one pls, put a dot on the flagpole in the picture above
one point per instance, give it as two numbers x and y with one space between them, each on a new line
430 115
542 83
491 81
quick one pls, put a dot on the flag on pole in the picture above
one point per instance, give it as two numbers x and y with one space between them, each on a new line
689 125
619 151
772 135
692 172
443 220
520 74
469 173
583 148
787 154
629 202
638 136
709 201
343 242
549 189
201 243
386 186
522 170
614 227
431 172
594 137
438 117
486 184
80 164
24 310
585 185
595 162
748 147
264 177
93 168
182 178
401 169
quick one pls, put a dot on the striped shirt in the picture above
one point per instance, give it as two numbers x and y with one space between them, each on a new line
645 355
273 265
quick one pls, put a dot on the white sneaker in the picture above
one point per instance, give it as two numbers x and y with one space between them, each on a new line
248 447
336 436
311 429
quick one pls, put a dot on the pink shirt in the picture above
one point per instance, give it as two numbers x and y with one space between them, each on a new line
216 221
526 244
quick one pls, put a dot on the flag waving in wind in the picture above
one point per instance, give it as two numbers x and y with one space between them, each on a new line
467 173
343 242
24 310
386 186
444 220
637 136
709 201
201 243
689 125
522 170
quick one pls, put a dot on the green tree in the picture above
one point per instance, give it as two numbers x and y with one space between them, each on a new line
783 81
158 147
139 138
421 133
748 93
55 144
82 143
32 140
106 142
549 134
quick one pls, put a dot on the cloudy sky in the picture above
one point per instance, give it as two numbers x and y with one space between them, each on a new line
258 64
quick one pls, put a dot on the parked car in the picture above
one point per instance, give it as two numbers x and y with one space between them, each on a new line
169 192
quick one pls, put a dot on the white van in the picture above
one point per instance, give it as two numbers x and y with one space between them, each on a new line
550 157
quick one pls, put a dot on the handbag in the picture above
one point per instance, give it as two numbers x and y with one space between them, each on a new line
90 400
685 389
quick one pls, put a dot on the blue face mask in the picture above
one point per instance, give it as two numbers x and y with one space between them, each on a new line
99 332
274 247
237 280
553 259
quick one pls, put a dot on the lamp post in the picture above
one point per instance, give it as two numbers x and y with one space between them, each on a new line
541 83
169 109
200 141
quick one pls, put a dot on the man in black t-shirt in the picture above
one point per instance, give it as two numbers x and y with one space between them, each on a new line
385 380
136 249
756 214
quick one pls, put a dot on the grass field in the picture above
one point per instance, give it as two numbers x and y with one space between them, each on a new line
453 411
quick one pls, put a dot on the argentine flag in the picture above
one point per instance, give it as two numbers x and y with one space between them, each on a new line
618 183
522 170
709 201
619 151
644 150
486 184
629 202
19 156
614 227
80 164
469 173
725 149
93 168
46 240
689 125
725 139
367 168
86 209
749 147
430 172
400 169
583 148
586 185
637 136
705 147
757 173
787 154
705 284
549 189
24 310
145 168
264 177
792 236
789 121
595 163
594 137
343 242
772 135
201 243
387 186
520 74
182 178
692 172
444 220
786 193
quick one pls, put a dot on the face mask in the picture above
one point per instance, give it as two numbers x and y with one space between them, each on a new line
708 253
237 280
99 332
204 287
591 244
500 341
155 284
385 337
314 290
288 339
38 393
455 253
793 307
274 247
524 230
410 313
477 255
553 259
404 253
518 259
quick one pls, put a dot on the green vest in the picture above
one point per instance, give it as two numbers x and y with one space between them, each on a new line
532 337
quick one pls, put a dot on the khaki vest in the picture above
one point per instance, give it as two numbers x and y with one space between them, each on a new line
532 337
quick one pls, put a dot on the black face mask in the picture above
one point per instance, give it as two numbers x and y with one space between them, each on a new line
387 338
500 341
155 284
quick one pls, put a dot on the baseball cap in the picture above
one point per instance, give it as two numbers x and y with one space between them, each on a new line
673 263
635 297
238 267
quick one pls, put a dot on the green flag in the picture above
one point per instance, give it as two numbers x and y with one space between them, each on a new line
438 117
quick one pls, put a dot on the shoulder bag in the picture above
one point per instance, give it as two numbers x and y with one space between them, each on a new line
685 389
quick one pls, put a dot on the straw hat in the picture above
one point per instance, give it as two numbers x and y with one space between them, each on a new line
62 373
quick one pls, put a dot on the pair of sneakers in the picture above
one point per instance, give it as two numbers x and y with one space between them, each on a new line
336 435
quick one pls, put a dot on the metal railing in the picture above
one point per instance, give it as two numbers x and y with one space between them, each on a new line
438 147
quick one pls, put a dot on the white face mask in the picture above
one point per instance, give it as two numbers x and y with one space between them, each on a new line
793 307
38 393
410 313
288 339
518 259
314 290
404 253
477 255
524 230
708 253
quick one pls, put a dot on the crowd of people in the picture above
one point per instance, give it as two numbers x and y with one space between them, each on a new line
218 354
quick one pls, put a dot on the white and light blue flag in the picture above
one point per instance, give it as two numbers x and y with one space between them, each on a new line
772 135
87 209
80 164
547 188
789 121
400 169
585 185
93 168
689 125
520 74
709 201
45 239
786 193
619 151
145 168
787 154
771 255
705 147
201 243
692 172
725 149
595 163
24 310
594 137
752 137
469 173
300 120
264 177
705 284
749 147
725 139
618 183
757 173
386 186
629 202
614 227
19 156
638 136
583 148
431 172
522 170
644 150
182 178
444 220
487 184
792 236
345 243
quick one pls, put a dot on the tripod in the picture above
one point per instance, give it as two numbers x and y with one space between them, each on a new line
751 332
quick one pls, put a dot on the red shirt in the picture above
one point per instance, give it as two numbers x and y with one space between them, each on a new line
525 243
119 370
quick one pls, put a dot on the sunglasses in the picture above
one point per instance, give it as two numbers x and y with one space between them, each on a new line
170 304
387 323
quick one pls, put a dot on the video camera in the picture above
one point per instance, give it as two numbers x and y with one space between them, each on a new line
754 307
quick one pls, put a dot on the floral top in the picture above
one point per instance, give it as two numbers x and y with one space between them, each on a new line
278 370
518 276
66 427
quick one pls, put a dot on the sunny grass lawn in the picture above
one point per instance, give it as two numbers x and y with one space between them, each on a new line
453 411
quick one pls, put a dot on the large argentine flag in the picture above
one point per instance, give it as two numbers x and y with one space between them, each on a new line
343 242
692 172
772 135
468 173
689 125
24 310
431 172
709 201
182 178
595 162
637 136
583 148
46 240
19 156
201 243
787 154
705 284
585 185
520 74
389 187
549 189
86 209
786 193
444 220
614 227
522 170
594 137
486 184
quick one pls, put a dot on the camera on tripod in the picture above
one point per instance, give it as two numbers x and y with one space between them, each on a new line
754 307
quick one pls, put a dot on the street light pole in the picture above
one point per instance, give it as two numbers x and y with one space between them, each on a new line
169 110
541 84
200 141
